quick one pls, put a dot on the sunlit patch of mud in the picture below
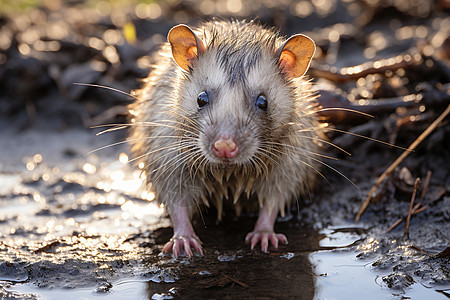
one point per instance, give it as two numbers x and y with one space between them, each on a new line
84 223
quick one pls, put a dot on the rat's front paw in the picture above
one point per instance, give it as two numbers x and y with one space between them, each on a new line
265 237
178 243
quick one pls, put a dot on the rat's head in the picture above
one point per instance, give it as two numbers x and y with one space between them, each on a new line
239 90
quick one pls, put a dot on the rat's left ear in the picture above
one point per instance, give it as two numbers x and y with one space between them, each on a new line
186 46
294 56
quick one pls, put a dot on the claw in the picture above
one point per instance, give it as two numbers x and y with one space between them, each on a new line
265 238
273 239
282 238
167 247
176 249
197 244
187 248
264 243
179 243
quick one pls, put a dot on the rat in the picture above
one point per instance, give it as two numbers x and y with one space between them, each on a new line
226 114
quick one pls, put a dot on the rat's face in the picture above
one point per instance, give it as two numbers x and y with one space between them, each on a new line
238 112
237 99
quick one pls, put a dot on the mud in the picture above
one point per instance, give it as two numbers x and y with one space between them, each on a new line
76 225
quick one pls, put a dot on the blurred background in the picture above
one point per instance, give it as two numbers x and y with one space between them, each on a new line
48 45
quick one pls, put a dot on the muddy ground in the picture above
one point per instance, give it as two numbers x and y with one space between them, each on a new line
78 224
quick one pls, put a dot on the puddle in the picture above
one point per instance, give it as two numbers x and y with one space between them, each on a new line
229 274
341 275
131 289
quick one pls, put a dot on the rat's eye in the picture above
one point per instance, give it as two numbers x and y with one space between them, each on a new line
202 99
261 102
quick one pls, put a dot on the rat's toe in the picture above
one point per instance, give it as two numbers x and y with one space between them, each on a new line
265 238
178 244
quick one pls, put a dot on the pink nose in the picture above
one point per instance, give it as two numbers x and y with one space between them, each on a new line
225 147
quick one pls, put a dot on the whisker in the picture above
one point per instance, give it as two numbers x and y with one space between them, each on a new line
317 171
335 170
114 144
139 157
200 156
299 150
111 129
170 146
146 124
259 162
108 88
325 142
156 124
366 137
108 125
177 164
268 155
309 165
339 109
195 125
170 160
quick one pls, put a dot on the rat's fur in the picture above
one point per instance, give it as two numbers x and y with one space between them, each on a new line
277 157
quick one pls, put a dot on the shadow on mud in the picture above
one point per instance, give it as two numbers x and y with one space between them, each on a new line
230 270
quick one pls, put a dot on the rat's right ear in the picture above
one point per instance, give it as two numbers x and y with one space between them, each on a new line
295 55
186 46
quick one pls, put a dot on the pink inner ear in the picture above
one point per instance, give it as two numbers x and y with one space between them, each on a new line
192 52
287 61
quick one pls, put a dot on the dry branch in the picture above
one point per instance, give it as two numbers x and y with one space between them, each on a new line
392 167
413 196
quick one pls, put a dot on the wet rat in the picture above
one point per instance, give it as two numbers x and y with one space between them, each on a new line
227 115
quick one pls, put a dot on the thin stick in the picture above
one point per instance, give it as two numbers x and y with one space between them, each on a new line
421 209
395 224
237 281
392 167
425 185
408 218
417 209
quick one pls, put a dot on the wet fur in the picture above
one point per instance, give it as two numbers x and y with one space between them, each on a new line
277 159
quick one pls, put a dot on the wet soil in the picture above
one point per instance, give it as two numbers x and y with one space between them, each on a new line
78 224
72 229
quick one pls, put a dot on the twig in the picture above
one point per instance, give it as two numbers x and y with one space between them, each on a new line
408 218
417 209
395 224
425 186
416 248
237 281
392 167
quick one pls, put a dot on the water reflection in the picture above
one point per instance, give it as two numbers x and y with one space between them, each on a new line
230 270
86 213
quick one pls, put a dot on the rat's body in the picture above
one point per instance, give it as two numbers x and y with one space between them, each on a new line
225 115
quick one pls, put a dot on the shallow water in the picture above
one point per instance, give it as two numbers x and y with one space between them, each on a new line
78 225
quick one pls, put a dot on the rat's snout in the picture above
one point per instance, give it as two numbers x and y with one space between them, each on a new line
225 147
